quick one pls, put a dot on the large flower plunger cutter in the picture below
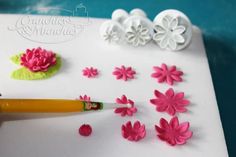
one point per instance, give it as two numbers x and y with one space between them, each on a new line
173 30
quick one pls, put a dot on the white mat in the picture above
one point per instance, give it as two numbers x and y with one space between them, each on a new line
56 136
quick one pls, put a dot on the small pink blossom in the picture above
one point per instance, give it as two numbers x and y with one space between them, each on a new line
133 133
124 73
125 110
165 74
173 132
38 59
84 98
170 102
90 72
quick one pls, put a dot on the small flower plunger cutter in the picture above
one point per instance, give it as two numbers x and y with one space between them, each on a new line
171 29
133 28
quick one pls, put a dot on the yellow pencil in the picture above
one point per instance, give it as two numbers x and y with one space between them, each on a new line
51 105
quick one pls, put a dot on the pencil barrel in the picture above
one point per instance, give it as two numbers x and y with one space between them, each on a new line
41 105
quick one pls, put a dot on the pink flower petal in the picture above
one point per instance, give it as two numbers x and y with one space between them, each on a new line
186 135
161 108
159 130
172 68
158 94
171 110
170 92
124 99
164 124
174 122
179 95
118 110
183 127
164 67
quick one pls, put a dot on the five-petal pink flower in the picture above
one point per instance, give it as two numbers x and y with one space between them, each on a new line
170 102
90 72
165 74
173 132
124 73
133 133
123 111
38 59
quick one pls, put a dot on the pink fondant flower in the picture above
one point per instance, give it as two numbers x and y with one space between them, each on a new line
123 111
90 72
124 73
84 98
165 74
38 59
85 130
170 102
173 132
133 133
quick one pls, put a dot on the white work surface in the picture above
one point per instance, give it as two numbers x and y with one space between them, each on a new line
56 135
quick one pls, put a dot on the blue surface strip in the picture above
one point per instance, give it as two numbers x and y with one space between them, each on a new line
216 18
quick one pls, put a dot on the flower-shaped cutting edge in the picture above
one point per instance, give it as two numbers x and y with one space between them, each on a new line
124 73
169 75
173 132
90 72
123 111
169 34
38 59
133 133
111 35
137 35
170 102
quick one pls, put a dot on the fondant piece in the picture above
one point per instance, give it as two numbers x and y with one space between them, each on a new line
125 110
133 132
85 130
167 74
35 70
174 133
125 73
170 102
90 72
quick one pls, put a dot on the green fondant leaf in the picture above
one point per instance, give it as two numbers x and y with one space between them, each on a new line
16 58
25 74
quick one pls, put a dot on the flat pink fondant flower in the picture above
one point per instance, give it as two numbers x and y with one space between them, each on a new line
165 74
173 132
123 111
170 102
38 59
133 133
90 72
84 98
124 73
